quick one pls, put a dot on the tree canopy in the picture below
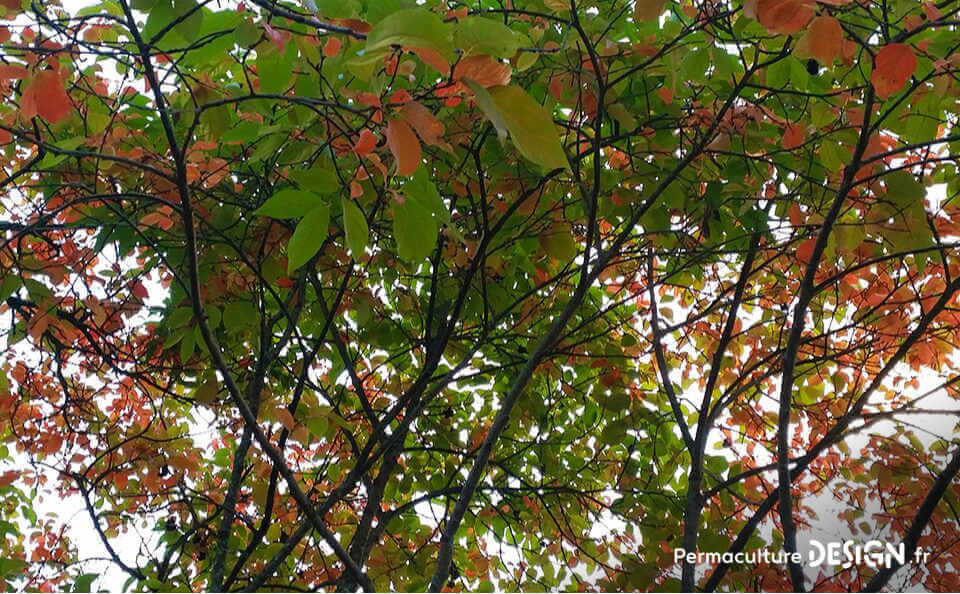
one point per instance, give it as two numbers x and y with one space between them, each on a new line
514 294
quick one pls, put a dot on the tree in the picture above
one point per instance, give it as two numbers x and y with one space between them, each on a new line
350 294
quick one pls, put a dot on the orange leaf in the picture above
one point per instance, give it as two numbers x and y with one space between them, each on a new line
332 47
784 16
805 250
5 137
286 419
892 68
404 145
826 39
367 142
433 58
483 70
46 97
793 136
8 71
933 13
427 125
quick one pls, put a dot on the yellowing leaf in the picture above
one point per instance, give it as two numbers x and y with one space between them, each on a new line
413 28
530 125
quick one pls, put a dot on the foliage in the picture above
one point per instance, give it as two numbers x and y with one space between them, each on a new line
406 295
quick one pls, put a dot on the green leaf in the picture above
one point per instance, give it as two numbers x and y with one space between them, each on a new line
307 237
9 284
84 582
531 127
275 69
289 204
338 9
478 35
355 228
317 179
415 229
412 27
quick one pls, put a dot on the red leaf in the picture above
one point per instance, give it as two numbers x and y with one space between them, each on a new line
404 145
893 67
139 291
784 16
46 97
8 71
793 136
332 47
483 70
805 250
826 39
7 478
5 137
367 142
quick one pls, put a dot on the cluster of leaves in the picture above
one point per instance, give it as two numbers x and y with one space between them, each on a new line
389 294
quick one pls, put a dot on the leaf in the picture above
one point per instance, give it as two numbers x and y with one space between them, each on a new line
483 70
648 10
45 97
413 28
8 285
425 124
307 238
489 108
893 66
531 127
479 35
415 229
825 38
793 136
404 145
289 204
784 16
355 228
84 582
318 179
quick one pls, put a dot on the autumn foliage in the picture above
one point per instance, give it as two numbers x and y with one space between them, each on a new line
524 295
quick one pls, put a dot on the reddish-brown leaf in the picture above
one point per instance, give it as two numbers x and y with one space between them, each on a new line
648 10
784 16
825 37
404 145
8 71
893 67
366 143
793 136
45 97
